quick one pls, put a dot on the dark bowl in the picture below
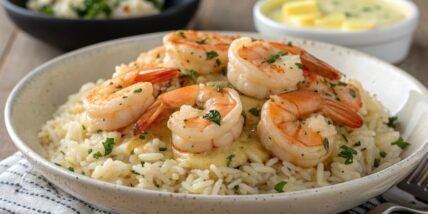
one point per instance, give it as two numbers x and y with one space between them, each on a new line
70 34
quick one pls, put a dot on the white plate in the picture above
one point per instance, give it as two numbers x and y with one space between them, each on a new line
38 95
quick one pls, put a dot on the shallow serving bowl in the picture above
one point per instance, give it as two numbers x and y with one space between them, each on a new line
38 95
66 33
390 43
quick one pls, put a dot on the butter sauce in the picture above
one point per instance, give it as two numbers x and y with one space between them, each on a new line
346 15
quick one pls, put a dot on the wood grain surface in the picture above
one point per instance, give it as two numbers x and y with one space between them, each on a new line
20 53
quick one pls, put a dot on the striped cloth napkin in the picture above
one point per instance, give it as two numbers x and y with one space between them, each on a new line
23 190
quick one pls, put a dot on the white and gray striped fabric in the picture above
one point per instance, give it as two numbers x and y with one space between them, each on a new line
22 190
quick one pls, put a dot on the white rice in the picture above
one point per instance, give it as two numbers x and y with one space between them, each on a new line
73 147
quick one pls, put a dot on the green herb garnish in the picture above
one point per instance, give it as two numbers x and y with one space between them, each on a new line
272 58
229 160
162 149
219 87
401 143
290 43
279 187
211 55
134 172
108 145
181 33
142 136
376 162
70 168
347 153
352 93
214 116
84 127
392 122
326 144
357 144
139 90
97 155
201 42
142 163
58 164
254 111
382 154
299 65
47 10
218 62
89 151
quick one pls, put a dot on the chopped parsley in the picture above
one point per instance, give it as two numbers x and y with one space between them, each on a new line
70 168
392 122
347 153
134 172
401 143
326 144
376 162
219 87
345 138
279 187
181 33
299 65
358 143
342 83
213 116
99 131
89 151
191 75
58 164
142 163
290 43
97 155
48 10
229 160
211 55
108 145
382 154
272 58
218 62
119 86
201 42
142 136
162 149
84 127
352 93
139 90
254 111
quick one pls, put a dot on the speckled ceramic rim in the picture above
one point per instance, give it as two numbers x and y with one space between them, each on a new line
389 32
30 154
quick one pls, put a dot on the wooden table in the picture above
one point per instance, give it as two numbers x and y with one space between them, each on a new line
20 53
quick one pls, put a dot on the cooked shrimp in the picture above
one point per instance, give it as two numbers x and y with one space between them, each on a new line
207 117
120 101
261 68
345 92
283 131
200 52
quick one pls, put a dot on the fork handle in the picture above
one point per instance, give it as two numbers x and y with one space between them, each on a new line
389 207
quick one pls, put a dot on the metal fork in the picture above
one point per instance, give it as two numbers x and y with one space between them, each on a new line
409 195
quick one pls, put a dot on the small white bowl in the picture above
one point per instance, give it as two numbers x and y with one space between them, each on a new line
390 43
41 92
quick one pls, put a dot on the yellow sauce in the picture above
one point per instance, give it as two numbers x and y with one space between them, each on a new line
246 147
347 15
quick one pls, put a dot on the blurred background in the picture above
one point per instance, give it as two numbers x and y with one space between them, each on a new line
20 53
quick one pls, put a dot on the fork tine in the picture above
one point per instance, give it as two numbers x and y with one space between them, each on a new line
423 182
420 173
